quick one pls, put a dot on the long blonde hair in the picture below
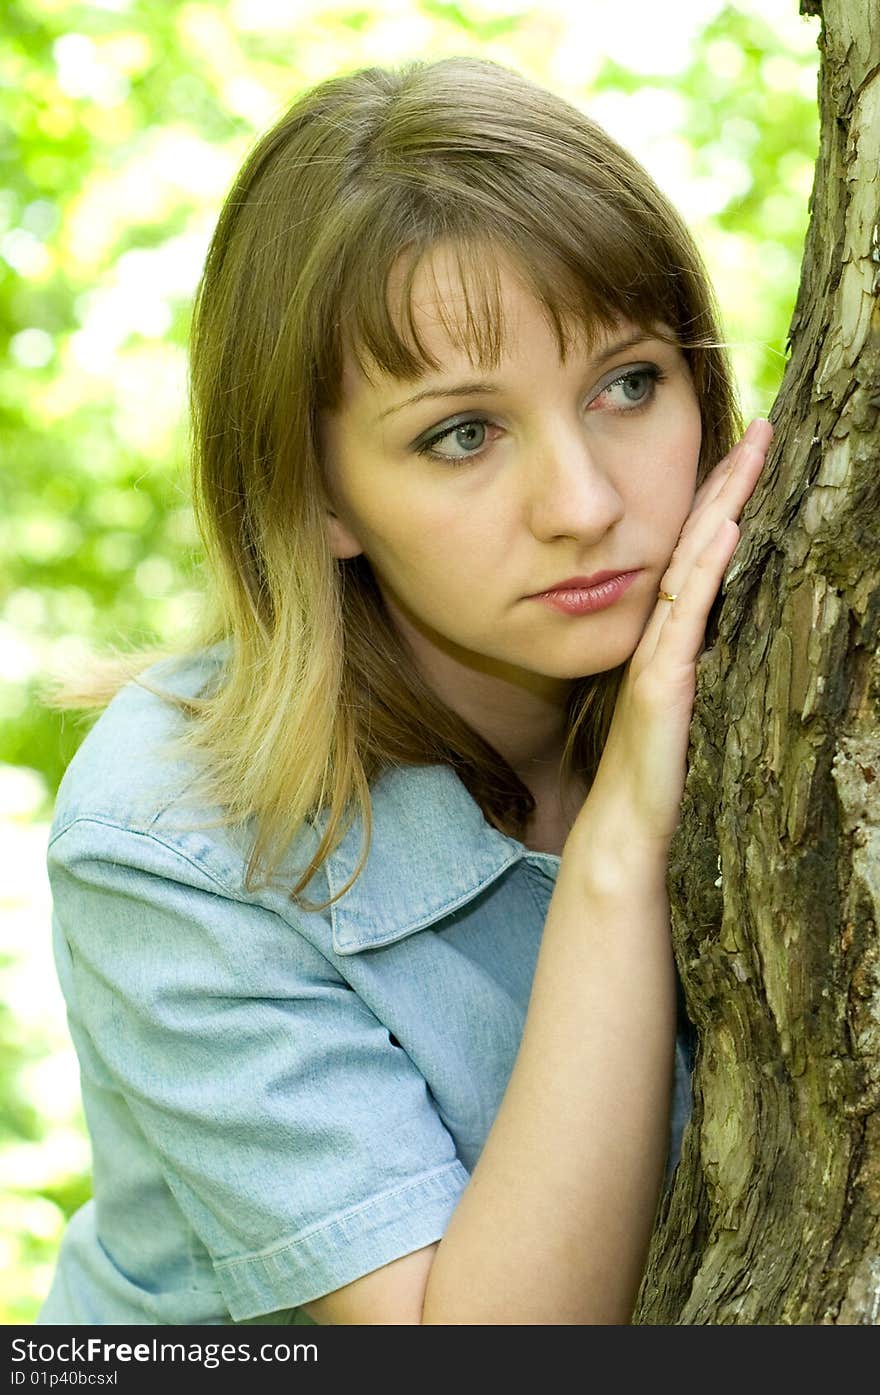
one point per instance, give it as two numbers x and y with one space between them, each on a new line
319 692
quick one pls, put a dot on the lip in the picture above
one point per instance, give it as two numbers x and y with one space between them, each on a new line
582 583
581 599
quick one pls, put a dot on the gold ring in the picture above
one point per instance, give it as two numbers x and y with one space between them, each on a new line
665 596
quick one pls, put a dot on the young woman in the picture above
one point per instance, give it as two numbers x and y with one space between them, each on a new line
360 897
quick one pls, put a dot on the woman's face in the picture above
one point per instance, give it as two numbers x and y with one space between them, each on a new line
493 486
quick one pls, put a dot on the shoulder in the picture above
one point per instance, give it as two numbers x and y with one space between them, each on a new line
133 781
126 767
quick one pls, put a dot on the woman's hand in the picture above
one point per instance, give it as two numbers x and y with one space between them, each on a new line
634 802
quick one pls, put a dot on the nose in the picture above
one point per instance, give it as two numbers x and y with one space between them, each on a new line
570 489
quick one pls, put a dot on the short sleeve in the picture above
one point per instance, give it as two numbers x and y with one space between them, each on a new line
301 1145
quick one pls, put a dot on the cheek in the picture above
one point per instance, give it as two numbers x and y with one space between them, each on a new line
682 455
450 552
694 429
413 541
667 493
442 526
448 570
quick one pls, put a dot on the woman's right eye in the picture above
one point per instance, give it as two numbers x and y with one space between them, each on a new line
470 435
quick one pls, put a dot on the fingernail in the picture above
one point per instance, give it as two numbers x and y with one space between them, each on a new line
754 428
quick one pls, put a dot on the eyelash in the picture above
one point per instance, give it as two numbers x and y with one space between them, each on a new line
652 371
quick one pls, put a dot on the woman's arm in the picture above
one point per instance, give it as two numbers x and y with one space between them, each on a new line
554 1224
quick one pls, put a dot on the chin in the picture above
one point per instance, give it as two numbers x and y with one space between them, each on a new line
577 674
580 665
577 669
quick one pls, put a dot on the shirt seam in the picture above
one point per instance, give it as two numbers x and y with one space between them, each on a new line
153 838
533 893
425 920
231 893
340 1218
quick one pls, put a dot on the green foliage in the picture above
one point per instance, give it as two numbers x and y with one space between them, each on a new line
124 122
768 128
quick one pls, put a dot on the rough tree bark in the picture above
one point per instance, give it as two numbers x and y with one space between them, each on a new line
774 1214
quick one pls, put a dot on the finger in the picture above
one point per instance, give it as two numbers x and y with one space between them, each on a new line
728 501
683 627
732 483
693 593
760 434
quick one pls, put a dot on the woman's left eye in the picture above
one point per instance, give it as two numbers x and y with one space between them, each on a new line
632 389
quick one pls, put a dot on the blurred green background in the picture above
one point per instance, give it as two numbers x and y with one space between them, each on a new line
123 124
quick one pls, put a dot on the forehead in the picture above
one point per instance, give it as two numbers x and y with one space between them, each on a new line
454 307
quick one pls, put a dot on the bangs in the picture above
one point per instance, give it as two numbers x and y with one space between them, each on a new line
587 275
470 308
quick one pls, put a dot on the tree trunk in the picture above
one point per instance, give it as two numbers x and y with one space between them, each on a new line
774 1214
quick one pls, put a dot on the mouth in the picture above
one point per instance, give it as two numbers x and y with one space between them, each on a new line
584 583
573 597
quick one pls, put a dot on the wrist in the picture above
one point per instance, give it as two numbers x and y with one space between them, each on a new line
613 856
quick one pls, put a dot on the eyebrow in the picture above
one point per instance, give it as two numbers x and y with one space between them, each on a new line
466 389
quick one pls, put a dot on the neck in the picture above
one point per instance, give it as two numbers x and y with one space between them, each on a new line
522 715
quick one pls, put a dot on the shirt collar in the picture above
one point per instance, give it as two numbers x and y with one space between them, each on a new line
431 852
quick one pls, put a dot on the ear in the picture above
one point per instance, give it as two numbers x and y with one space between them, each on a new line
343 542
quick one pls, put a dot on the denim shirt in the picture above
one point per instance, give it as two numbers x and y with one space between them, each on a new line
278 1101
